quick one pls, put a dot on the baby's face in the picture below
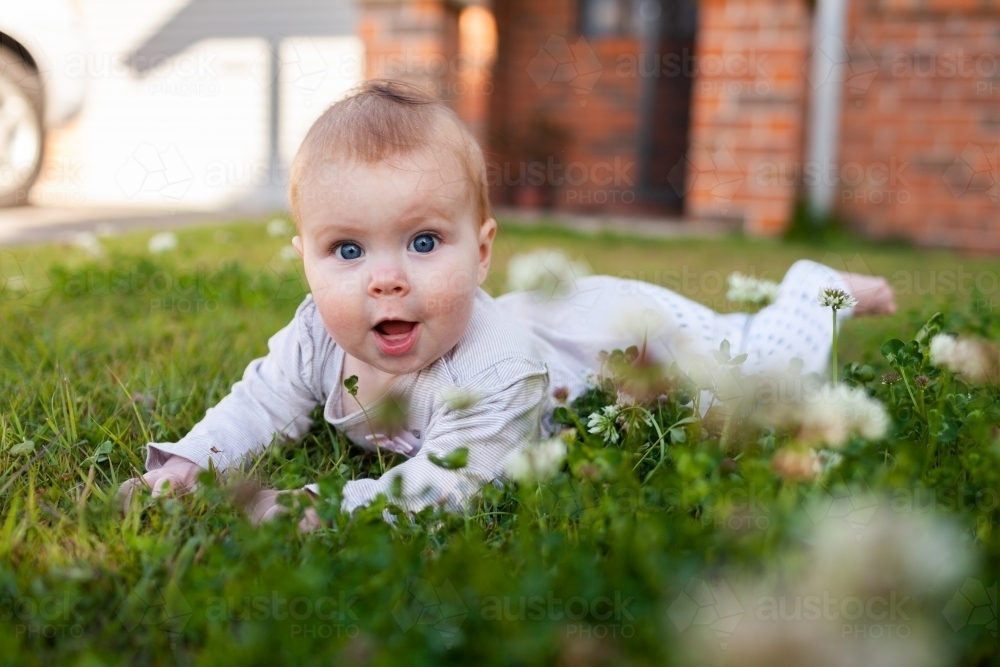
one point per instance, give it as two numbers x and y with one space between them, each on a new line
394 256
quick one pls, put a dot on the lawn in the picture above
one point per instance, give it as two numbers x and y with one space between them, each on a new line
101 354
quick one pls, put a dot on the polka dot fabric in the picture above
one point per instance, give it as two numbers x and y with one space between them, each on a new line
603 313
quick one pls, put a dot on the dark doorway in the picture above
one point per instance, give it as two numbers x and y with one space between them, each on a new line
667 67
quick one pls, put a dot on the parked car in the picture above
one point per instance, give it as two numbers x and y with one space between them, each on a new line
38 89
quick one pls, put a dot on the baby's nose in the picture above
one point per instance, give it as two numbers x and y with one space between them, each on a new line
388 281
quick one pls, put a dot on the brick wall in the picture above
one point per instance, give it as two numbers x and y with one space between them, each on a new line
409 40
748 111
421 41
560 104
921 121
920 132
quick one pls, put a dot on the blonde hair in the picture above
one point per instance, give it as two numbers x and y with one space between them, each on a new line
381 119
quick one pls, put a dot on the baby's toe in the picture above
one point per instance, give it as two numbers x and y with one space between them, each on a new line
272 511
123 497
262 505
310 521
889 300
164 486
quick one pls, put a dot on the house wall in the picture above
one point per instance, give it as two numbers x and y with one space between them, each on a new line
919 133
443 47
921 122
563 119
746 111
748 107
410 41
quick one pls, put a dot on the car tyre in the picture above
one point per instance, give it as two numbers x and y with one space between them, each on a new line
22 136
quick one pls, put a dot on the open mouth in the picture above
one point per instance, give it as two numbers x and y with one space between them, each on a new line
395 327
395 337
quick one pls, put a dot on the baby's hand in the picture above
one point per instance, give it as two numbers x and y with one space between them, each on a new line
265 506
177 476
401 443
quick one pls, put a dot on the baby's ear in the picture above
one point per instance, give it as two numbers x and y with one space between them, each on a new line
487 232
297 244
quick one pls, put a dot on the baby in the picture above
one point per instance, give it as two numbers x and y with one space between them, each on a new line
389 194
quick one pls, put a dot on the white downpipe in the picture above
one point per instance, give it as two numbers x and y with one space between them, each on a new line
829 71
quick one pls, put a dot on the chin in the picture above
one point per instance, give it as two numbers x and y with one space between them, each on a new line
400 365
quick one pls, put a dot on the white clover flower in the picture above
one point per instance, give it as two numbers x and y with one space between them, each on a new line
537 463
974 360
636 320
89 242
879 553
545 271
942 350
162 242
751 290
604 423
288 253
872 421
590 378
624 400
910 550
702 370
825 460
278 227
836 298
852 409
630 414
832 415
726 382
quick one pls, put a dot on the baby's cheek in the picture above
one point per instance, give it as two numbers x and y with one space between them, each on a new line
447 277
344 321
454 300
344 287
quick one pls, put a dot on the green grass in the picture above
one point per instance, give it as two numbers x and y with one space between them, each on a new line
132 348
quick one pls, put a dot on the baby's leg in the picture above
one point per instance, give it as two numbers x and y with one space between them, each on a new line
796 325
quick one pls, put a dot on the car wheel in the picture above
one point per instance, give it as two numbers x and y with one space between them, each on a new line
21 134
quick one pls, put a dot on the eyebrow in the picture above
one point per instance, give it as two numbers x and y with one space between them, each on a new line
357 227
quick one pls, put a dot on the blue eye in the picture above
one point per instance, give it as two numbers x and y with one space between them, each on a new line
349 251
423 243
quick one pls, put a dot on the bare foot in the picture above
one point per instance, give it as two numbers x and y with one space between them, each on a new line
874 295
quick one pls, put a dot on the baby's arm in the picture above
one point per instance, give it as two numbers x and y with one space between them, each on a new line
274 397
494 426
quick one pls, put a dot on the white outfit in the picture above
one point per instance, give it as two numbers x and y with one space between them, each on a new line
604 313
496 362
489 392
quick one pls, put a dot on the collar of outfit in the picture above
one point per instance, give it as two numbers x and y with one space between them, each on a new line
356 424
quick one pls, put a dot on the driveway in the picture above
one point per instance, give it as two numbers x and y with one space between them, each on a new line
22 225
